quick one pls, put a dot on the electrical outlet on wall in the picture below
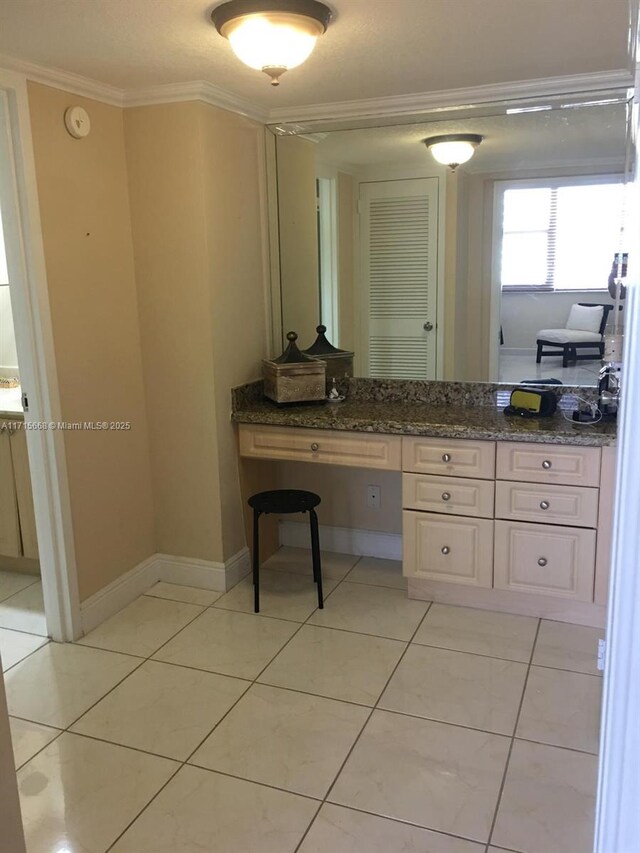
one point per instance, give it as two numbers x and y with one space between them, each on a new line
373 497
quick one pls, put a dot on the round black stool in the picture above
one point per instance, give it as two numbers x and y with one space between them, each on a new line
283 502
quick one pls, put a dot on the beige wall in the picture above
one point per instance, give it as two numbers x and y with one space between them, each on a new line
165 161
84 206
297 219
234 159
344 496
195 181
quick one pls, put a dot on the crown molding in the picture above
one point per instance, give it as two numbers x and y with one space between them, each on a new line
397 105
197 90
394 105
65 80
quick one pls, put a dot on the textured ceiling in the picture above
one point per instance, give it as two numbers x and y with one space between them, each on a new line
373 48
554 137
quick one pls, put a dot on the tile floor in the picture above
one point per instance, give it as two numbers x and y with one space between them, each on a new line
516 368
380 725
21 604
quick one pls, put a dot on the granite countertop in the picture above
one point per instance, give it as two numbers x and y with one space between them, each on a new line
417 417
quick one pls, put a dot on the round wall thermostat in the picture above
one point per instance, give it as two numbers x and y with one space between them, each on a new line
77 122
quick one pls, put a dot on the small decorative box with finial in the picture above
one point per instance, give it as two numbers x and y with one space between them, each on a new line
294 377
339 361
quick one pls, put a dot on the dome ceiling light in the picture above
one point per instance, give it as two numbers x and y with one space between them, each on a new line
272 35
453 149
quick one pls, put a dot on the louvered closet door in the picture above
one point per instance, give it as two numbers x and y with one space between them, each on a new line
399 242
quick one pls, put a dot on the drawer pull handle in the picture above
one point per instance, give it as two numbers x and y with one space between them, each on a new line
445 550
542 561
446 496
446 457
544 504
315 446
546 464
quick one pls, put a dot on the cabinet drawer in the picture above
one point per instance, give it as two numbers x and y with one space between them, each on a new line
319 445
449 457
544 463
450 495
544 559
548 504
451 549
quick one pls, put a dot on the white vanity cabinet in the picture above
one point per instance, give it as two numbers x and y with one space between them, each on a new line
448 497
523 527
541 490
528 522
17 518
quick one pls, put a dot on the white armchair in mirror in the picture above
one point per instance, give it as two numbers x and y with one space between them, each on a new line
581 339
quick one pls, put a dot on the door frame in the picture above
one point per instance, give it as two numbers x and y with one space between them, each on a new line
36 359
617 814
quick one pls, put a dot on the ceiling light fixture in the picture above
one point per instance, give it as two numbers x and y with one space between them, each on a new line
453 149
272 35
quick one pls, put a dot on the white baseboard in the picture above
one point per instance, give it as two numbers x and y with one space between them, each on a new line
204 574
118 594
344 540
187 571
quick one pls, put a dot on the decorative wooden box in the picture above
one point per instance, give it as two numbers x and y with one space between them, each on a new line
294 377
339 361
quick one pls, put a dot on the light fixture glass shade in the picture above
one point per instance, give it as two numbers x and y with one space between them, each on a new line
272 39
454 149
272 35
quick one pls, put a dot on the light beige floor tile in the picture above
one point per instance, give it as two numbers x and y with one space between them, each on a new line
336 664
12 582
548 801
188 594
298 561
340 830
371 610
163 709
483 632
16 645
59 682
203 811
142 627
285 739
79 794
377 572
455 687
562 709
229 643
565 646
29 738
24 611
438 776
283 595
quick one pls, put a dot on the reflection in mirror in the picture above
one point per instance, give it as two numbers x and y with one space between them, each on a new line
8 355
429 273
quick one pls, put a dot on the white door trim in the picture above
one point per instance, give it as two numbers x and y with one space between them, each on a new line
617 814
36 358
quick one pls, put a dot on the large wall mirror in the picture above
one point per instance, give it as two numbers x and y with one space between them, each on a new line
429 273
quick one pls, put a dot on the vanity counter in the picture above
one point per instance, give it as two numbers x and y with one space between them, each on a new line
425 419
11 403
